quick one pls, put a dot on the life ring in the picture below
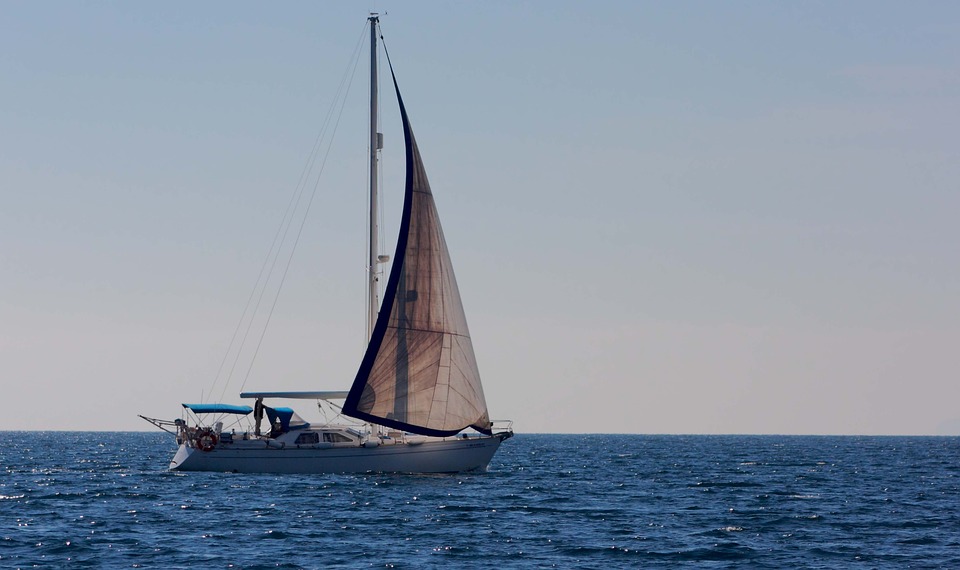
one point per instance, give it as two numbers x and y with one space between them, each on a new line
206 440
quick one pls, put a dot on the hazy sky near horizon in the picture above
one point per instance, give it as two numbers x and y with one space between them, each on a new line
665 217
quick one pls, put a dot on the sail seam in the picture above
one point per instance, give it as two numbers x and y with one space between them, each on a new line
460 335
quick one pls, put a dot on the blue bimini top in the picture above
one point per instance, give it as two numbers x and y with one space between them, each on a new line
218 409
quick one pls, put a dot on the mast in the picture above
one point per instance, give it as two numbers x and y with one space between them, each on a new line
373 302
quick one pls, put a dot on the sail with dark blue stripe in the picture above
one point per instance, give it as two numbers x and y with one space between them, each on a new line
419 372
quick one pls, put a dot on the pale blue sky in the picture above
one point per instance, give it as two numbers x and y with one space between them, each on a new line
672 217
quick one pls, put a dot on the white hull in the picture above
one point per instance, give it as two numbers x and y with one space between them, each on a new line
431 456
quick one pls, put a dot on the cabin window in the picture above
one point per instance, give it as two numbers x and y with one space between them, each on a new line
335 438
308 438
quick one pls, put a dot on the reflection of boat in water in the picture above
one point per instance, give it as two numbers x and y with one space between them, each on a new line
417 389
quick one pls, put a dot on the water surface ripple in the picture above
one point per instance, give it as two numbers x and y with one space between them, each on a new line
92 500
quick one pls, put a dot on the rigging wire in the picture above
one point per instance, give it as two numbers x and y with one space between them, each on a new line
303 221
270 253
280 236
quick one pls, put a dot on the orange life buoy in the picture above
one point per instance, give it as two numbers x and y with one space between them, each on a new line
206 440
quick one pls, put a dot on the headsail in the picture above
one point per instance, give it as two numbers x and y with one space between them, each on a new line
419 372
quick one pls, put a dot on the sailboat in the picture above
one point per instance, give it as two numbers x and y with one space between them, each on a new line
417 388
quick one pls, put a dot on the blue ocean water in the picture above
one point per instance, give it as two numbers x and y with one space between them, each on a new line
106 500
